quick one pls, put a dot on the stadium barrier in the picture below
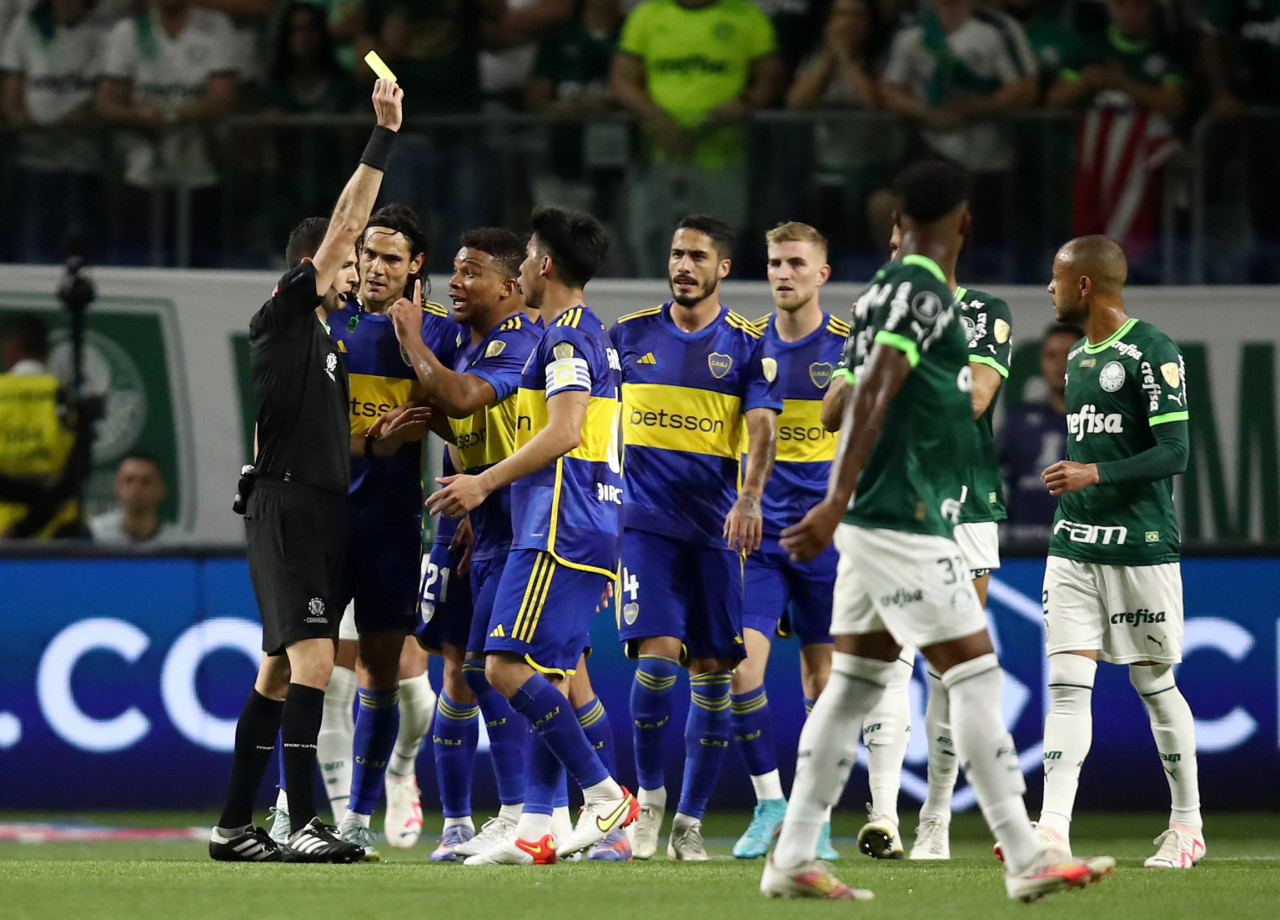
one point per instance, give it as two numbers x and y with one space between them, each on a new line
122 675
169 349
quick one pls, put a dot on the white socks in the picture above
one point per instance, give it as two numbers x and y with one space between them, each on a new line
767 786
943 767
1175 733
533 826
417 705
337 735
1068 733
886 731
603 791
985 748
828 751
656 797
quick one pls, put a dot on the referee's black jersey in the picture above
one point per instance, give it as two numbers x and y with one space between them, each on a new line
304 434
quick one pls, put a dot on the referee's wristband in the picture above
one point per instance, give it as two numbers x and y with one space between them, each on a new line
377 153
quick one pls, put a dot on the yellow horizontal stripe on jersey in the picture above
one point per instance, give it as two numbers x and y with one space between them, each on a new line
597 429
488 436
801 437
681 418
372 396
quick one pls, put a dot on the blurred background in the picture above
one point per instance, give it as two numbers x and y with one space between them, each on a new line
178 141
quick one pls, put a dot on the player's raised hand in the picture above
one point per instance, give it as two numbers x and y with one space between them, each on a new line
808 538
744 525
406 315
460 494
388 99
1066 476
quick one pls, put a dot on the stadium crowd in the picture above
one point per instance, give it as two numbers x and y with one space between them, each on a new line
133 97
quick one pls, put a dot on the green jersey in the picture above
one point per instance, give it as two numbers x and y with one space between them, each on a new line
987 326
1117 392
915 473
1252 30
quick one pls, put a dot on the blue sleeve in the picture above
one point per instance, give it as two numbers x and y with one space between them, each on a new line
503 361
761 390
440 335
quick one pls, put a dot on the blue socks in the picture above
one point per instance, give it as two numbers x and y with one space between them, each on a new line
595 724
377 722
650 713
551 716
706 735
753 730
508 738
547 781
455 732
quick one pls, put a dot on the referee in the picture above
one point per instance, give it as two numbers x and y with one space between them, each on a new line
295 517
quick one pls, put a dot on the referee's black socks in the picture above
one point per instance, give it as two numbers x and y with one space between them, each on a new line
303 708
256 731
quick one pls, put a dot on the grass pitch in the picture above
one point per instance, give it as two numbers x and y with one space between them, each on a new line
1239 880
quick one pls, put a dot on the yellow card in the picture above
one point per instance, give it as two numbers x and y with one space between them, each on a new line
379 66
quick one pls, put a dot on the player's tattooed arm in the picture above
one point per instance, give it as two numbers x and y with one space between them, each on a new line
744 524
457 395
879 380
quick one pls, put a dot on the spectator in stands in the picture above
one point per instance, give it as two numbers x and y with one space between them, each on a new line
691 71
344 18
1132 87
571 78
511 47
48 60
140 489
1054 44
1241 55
305 75
795 22
957 66
304 78
168 71
433 47
853 159
1034 436
249 40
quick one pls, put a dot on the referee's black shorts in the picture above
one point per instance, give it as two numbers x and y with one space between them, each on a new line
297 537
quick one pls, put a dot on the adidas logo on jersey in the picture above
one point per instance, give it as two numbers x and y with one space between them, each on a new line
648 359
498 632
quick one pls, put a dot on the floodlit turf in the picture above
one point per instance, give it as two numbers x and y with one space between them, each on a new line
1240 880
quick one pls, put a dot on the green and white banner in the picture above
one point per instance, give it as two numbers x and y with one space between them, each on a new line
169 349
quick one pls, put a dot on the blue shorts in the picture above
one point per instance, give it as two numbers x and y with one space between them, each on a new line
486 575
543 611
382 573
444 603
683 589
796 593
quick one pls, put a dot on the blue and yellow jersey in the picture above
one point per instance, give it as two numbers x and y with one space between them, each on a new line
381 379
572 508
489 435
684 397
805 448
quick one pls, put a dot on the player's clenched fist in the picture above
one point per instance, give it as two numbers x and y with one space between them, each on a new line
805 540
1066 476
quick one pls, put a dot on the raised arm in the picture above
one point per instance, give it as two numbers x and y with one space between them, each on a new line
355 204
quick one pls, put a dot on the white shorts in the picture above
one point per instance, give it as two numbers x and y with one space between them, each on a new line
916 586
347 628
980 544
1125 613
